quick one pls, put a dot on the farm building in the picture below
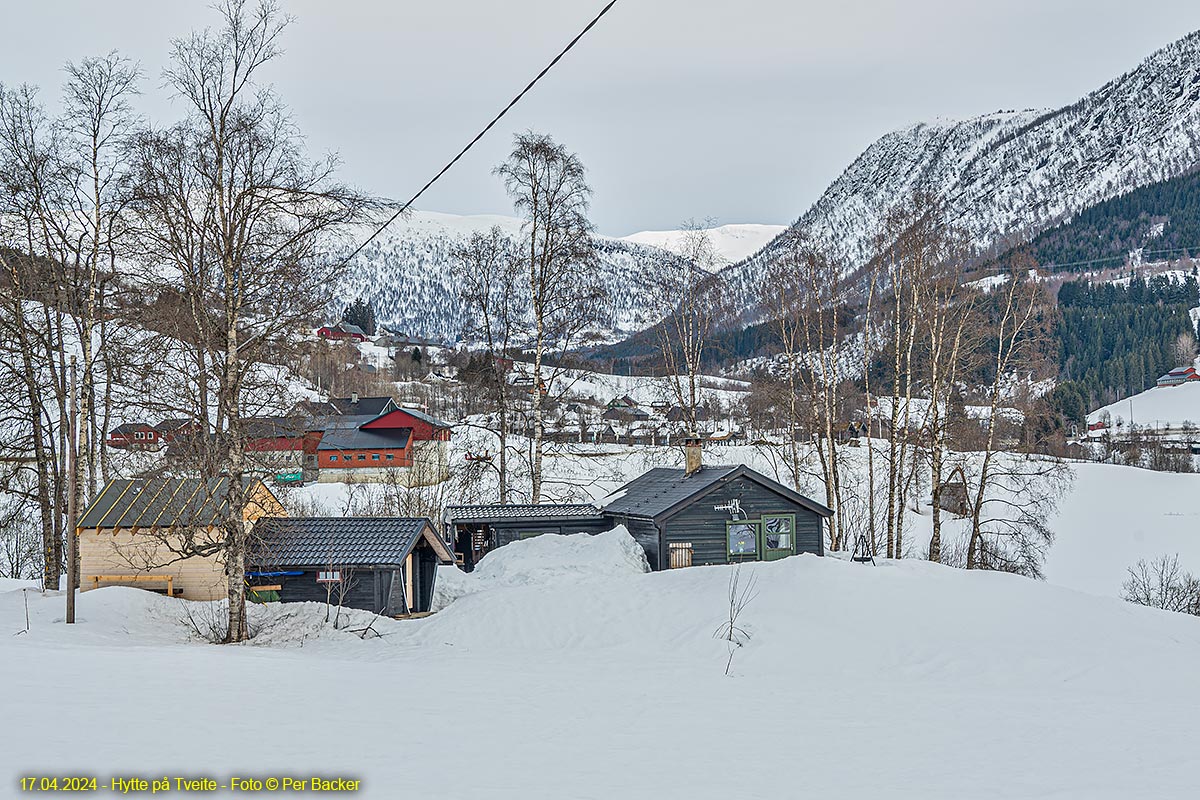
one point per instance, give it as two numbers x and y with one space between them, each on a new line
343 331
1179 376
385 565
135 436
681 518
131 533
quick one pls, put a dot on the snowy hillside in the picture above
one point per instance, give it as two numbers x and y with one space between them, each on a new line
905 680
732 242
406 273
1017 173
1161 407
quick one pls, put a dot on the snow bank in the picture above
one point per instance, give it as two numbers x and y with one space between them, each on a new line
1036 690
546 560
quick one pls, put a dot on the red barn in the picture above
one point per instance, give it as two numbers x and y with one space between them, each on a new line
424 427
342 331
136 435
356 448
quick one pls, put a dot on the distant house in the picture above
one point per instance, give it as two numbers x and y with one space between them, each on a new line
681 518
361 454
135 436
625 401
133 531
1179 376
343 331
385 565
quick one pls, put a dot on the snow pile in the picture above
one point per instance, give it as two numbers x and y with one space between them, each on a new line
546 560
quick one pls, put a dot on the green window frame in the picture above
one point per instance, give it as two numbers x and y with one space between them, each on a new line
771 529
741 538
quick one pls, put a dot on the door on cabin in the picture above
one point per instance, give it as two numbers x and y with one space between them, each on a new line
778 536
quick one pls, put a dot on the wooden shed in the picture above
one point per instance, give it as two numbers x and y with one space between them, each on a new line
476 530
385 565
132 532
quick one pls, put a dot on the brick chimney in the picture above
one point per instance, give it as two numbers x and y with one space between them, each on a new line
692 460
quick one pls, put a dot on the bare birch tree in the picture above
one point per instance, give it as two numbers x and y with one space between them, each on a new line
548 187
236 221
489 275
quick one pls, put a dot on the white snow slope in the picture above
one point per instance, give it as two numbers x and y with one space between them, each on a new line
1160 407
732 242
906 680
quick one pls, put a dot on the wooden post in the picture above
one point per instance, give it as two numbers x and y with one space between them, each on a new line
72 501
170 586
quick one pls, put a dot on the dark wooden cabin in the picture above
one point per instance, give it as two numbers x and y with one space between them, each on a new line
681 518
385 565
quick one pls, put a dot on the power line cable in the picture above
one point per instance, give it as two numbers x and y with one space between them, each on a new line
483 132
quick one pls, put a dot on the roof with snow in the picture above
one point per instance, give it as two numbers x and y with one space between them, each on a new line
663 490
342 541
498 513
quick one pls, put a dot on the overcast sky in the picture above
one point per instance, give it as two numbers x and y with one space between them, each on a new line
738 110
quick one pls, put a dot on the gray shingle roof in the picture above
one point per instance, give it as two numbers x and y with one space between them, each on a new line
341 541
662 489
160 502
354 439
658 490
364 406
496 513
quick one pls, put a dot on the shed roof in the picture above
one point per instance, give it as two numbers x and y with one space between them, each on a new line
501 513
662 490
342 541
160 502
357 439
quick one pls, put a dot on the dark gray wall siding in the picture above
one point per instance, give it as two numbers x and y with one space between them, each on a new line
365 592
704 527
645 533
509 532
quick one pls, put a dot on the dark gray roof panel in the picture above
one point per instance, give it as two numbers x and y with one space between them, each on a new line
340 541
159 502
660 489
497 513
434 421
354 439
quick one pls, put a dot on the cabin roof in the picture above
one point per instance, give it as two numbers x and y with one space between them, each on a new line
503 513
341 541
160 502
663 490
357 439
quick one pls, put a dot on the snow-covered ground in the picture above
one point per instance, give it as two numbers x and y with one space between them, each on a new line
732 242
906 680
1160 407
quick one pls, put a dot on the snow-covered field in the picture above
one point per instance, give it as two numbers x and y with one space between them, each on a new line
906 680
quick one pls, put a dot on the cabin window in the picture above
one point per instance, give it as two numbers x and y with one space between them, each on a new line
374 456
742 538
779 532
333 458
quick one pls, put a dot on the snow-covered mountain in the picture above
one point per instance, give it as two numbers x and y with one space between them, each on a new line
732 242
406 274
1014 174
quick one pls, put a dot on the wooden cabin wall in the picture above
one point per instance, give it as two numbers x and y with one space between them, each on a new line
115 553
704 527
